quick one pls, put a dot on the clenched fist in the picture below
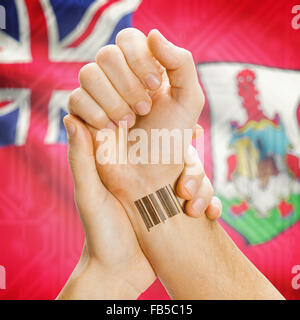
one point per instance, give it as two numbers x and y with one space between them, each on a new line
149 83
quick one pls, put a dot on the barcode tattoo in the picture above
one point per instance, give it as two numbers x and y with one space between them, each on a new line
156 207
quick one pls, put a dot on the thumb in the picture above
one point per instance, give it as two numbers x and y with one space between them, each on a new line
179 65
214 210
82 164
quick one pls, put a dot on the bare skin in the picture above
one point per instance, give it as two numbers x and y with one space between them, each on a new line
194 258
112 264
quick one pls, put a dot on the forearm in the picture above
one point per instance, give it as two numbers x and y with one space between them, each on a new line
195 259
90 281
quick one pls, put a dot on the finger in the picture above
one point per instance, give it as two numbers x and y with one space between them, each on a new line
214 210
197 206
105 146
180 69
197 132
190 180
133 44
95 82
112 61
82 163
85 107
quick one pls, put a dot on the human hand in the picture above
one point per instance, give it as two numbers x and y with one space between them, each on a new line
113 88
112 265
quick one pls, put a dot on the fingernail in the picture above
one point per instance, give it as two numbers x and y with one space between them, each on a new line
130 119
70 128
152 81
191 187
198 132
111 125
199 205
217 203
143 108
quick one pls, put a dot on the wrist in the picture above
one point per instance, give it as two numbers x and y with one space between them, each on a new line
91 280
149 186
112 282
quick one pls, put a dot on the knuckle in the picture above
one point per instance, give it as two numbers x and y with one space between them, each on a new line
126 34
74 99
107 53
85 72
187 55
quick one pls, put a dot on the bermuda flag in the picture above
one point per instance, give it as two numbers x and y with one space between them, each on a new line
247 57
